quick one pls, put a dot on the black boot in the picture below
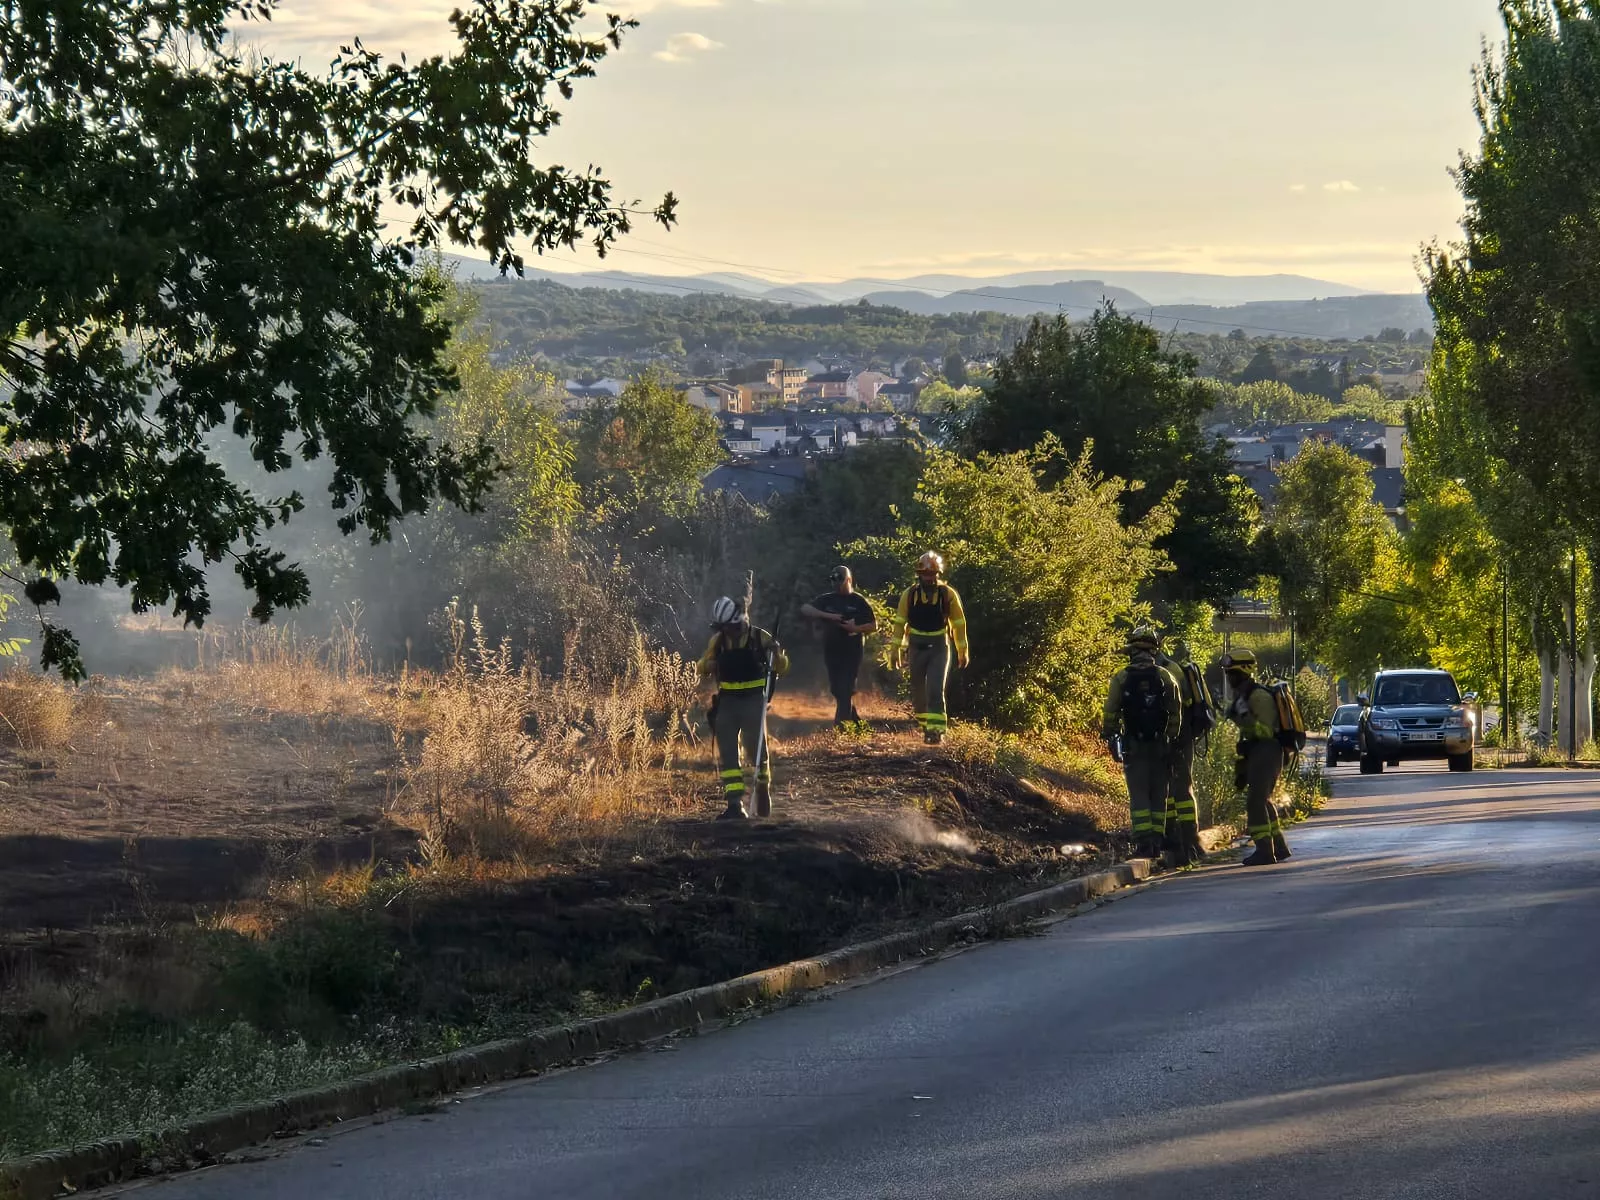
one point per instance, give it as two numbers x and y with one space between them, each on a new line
1193 851
763 799
734 812
1280 848
1264 855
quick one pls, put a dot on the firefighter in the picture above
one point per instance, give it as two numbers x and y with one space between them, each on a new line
849 618
1143 717
1255 712
928 618
1199 717
740 657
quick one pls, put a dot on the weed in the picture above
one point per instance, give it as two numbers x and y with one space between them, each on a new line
37 714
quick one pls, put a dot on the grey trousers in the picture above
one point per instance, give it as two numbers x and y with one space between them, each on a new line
930 667
741 719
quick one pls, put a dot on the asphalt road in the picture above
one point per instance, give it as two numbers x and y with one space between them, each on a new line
1406 1009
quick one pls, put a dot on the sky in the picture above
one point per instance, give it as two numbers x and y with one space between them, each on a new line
826 139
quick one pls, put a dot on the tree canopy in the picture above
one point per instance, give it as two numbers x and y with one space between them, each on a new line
194 245
1106 387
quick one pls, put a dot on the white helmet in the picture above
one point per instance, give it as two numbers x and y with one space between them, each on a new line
726 611
931 561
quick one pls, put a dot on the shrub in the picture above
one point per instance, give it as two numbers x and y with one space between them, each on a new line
38 714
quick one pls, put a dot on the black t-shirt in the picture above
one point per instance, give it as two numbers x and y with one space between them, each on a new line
852 607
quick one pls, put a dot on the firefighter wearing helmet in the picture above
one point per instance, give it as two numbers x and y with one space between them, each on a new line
928 620
1143 718
741 658
1260 761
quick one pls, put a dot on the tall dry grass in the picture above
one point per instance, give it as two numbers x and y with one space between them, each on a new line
512 761
38 714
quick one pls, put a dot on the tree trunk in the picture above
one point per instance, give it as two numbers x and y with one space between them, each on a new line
1547 697
1563 685
1584 715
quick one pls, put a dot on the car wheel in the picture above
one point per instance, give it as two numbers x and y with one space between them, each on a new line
1333 760
1372 766
1461 762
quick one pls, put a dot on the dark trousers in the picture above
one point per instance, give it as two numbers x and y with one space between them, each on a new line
844 667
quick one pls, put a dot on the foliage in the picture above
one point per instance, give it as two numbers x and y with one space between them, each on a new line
1520 298
645 451
939 397
1367 403
1315 694
1046 569
955 370
195 245
1106 388
1325 534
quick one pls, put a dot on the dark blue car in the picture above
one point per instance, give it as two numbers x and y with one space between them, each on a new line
1344 734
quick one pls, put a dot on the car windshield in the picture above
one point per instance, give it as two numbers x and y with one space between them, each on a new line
1399 690
1347 714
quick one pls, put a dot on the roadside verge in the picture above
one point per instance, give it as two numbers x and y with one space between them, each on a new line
200 1142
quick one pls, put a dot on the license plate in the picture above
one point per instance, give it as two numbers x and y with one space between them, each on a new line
1427 736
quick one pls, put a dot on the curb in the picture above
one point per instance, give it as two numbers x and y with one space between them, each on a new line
200 1142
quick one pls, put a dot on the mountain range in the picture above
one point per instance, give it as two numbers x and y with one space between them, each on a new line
1258 304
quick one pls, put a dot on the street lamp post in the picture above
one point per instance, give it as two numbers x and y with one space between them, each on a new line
1572 661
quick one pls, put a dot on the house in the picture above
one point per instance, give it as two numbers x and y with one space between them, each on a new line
758 480
758 396
901 395
755 372
790 382
865 385
830 385
714 397
769 435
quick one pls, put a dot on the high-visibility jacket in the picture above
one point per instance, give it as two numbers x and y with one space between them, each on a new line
1255 712
740 664
931 614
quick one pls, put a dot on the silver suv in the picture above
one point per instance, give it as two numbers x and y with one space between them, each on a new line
1415 714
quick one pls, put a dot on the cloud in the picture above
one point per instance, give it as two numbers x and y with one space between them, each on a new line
1340 185
1297 187
683 46
641 7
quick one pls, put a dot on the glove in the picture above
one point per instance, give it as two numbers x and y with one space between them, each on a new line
1114 744
961 662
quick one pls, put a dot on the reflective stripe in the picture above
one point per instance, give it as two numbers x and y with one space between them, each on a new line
733 773
743 687
1257 832
938 633
733 788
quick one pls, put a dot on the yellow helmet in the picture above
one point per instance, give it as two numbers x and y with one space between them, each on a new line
931 560
1239 660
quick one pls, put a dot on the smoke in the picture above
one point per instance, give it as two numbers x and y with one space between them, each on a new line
917 830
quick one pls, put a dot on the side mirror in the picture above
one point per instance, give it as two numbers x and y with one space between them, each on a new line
1364 700
1470 698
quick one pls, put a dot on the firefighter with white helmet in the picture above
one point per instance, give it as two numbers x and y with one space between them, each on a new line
928 620
741 657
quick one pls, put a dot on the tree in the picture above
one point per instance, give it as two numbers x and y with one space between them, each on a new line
913 367
1261 367
194 245
1047 570
940 398
643 454
1369 404
1324 537
1107 388
955 370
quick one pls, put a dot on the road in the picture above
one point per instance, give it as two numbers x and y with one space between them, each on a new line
1406 1009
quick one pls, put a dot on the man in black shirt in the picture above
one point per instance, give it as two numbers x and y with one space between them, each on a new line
848 618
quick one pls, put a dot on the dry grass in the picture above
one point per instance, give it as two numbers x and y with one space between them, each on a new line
37 713
511 762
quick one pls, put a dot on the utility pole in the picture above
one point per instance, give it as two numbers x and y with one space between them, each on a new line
1572 662
1505 656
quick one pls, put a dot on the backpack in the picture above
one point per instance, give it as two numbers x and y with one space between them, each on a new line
1291 725
1144 705
1201 718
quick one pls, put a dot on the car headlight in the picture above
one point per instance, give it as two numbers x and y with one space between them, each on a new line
1456 720
1384 723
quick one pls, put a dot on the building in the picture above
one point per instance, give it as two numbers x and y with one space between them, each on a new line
830 385
865 385
758 396
901 395
759 480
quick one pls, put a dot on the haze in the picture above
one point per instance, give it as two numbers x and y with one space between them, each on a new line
817 139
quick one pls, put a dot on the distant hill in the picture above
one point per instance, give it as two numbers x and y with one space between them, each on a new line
1149 287
1338 317
1075 299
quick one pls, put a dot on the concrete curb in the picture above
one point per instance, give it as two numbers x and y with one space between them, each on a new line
60 1172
